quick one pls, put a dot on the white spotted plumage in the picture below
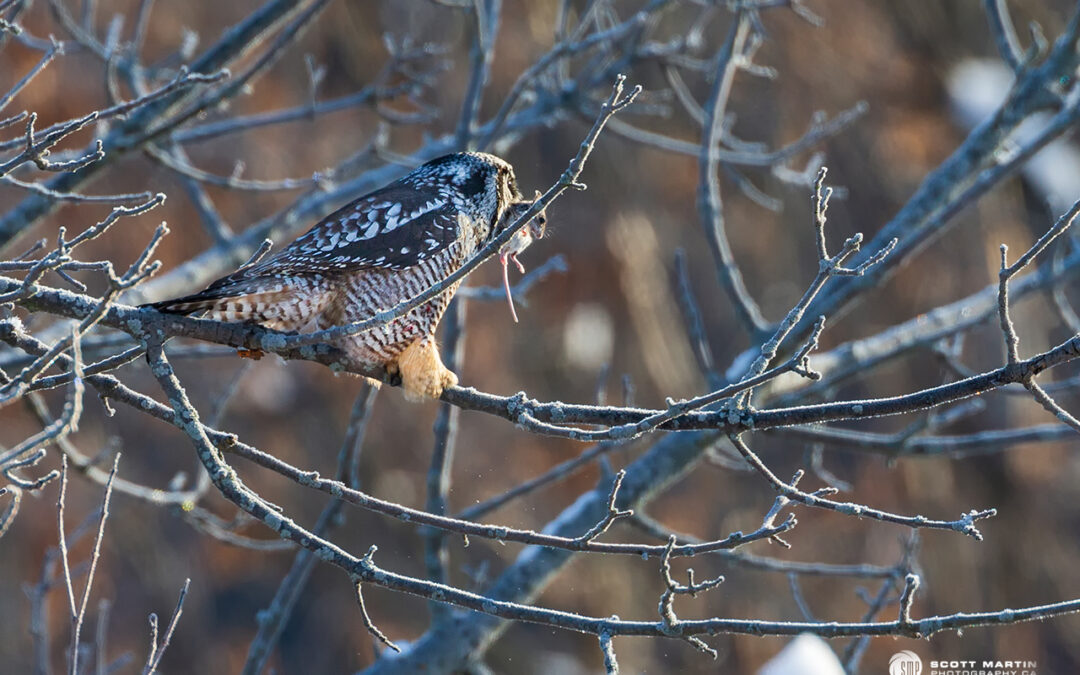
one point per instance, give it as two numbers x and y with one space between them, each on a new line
370 255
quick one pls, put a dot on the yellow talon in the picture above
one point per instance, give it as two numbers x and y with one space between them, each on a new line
423 375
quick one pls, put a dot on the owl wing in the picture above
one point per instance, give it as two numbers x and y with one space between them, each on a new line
393 228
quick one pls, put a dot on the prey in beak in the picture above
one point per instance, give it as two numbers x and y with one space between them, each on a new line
519 242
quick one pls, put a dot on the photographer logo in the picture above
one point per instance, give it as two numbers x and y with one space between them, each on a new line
905 662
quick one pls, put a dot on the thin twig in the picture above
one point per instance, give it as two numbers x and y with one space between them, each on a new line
709 203
159 651
611 665
368 623
436 553
965 524
77 619
612 514
1001 27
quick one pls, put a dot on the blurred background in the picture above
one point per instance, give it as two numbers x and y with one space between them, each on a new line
611 313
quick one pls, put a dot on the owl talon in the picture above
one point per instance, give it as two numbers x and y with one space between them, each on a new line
423 375
253 354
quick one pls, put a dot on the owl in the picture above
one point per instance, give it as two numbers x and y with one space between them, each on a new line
375 252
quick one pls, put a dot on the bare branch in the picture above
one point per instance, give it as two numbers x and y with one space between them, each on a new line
673 588
731 55
1001 27
611 666
156 651
77 618
612 514
911 586
965 524
368 623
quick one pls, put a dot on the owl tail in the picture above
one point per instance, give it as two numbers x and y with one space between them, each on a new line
186 305
211 298
237 301
270 301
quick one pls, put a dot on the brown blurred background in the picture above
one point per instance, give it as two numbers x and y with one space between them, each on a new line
894 55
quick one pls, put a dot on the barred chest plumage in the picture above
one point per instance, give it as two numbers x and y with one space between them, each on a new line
361 296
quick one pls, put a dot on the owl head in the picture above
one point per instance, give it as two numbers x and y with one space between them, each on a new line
485 181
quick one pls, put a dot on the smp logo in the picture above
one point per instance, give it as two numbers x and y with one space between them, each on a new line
905 662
